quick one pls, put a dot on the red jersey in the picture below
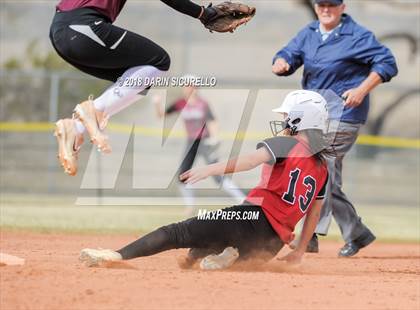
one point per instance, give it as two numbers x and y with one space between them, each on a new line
289 184
109 8
195 115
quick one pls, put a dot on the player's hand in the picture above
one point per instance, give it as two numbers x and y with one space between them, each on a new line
353 97
294 257
196 174
280 66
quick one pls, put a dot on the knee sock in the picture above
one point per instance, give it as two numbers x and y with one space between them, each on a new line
188 196
155 242
121 94
231 188
173 236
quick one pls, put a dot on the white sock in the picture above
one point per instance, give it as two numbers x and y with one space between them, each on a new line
121 94
80 128
230 188
187 194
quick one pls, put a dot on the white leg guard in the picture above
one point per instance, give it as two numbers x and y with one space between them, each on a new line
189 199
121 94
231 188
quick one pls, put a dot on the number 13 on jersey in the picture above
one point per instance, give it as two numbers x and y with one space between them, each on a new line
304 200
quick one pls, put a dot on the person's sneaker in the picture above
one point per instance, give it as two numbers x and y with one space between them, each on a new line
312 246
220 261
69 142
94 257
353 247
94 122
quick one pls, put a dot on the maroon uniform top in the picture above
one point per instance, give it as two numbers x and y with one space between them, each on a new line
195 115
289 184
109 8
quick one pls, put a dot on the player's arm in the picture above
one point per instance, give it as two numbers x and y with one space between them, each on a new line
309 226
186 7
238 164
224 17
270 151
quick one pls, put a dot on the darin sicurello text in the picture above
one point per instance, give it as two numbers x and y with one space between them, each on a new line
165 81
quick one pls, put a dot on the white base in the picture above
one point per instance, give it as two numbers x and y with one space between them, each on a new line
10 260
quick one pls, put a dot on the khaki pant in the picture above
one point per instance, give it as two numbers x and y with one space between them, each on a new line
336 203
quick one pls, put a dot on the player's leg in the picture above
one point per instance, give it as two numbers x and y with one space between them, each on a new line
191 233
88 41
195 254
87 38
260 247
190 154
245 235
206 234
69 132
250 236
140 58
231 188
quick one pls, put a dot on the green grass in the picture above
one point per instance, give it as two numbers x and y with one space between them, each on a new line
58 215
49 214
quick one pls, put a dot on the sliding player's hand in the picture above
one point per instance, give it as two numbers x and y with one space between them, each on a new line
293 258
194 175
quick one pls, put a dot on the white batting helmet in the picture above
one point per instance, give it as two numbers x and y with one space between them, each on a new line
292 109
308 111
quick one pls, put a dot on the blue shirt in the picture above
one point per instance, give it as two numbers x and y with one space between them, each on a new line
325 34
341 62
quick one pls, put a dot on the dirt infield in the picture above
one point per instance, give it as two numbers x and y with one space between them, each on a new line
383 276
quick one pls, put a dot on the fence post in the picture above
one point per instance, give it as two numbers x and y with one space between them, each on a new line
52 118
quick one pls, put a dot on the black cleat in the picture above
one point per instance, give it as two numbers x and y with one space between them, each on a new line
353 247
312 246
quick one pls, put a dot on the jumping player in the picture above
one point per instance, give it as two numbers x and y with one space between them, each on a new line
292 185
82 33
201 128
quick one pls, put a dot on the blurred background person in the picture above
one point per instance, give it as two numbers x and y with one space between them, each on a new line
339 55
201 129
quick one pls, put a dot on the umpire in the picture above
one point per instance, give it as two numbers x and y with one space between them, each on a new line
339 55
